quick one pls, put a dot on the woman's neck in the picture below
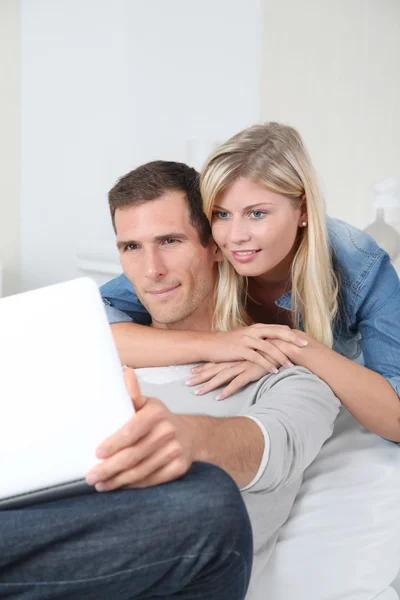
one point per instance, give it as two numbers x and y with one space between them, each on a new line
278 278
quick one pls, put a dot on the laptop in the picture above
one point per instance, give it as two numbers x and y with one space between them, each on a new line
62 391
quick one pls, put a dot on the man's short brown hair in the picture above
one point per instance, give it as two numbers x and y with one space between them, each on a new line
154 179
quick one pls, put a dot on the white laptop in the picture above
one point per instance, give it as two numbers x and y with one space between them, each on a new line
62 391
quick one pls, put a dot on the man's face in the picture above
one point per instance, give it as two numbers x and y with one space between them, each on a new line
161 254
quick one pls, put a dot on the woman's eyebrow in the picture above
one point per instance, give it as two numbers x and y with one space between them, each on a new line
247 207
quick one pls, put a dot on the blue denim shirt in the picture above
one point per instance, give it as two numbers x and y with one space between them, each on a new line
368 320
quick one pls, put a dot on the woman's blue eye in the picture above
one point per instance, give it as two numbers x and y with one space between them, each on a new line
257 214
221 214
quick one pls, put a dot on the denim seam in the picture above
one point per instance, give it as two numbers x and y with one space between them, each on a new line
375 253
371 254
367 316
111 575
360 284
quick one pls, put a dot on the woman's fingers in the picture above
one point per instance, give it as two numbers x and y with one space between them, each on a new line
221 378
200 368
276 356
237 384
210 370
255 356
280 332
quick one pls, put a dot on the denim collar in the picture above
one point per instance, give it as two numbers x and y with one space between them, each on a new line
285 301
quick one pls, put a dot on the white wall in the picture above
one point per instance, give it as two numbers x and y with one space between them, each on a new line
332 69
9 145
107 85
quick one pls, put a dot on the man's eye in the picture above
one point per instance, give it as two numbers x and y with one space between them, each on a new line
130 247
169 241
220 214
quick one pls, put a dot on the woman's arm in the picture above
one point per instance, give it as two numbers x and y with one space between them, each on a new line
371 393
366 394
143 346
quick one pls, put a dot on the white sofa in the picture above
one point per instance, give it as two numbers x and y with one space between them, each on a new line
342 539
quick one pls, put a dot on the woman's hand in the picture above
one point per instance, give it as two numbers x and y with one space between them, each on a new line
237 374
295 354
253 344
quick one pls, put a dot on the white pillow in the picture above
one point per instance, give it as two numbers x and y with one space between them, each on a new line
342 538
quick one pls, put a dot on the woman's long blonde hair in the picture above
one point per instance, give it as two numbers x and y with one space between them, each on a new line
274 155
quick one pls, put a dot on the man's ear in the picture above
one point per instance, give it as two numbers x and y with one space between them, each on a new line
217 253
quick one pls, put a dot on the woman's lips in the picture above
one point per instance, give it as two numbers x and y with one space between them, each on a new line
244 256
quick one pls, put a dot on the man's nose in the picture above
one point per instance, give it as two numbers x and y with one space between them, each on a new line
239 232
155 267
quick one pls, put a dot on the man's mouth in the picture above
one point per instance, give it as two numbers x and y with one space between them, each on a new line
163 292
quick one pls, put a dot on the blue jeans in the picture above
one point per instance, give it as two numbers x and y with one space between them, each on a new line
188 539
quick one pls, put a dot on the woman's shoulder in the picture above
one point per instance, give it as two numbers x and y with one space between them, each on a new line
356 254
346 238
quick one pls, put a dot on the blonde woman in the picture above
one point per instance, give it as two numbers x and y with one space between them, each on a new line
323 289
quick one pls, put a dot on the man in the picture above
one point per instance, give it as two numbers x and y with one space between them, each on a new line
265 435
189 538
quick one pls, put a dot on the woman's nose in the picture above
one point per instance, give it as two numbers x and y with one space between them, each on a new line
238 232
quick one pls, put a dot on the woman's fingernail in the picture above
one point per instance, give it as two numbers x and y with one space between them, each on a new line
199 392
101 453
302 342
288 364
189 382
100 487
91 478
219 397
273 370
194 369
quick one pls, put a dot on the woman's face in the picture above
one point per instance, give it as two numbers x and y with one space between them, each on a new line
256 229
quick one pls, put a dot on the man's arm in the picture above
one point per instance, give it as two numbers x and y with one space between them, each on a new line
236 444
295 409
156 446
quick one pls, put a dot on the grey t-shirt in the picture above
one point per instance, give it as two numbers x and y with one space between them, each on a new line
296 409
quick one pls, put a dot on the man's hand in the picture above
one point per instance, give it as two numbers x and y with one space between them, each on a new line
153 447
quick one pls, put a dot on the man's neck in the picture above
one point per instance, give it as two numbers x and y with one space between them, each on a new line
200 320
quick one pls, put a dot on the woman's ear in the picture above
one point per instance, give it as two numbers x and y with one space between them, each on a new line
303 218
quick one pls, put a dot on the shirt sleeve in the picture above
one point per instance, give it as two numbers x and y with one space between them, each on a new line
116 316
379 324
119 295
265 456
297 410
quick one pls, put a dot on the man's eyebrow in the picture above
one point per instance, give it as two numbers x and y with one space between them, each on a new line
157 238
122 243
251 206
172 235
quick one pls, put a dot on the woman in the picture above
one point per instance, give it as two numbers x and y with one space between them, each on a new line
296 268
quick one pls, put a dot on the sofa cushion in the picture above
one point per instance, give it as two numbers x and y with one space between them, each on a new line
342 539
